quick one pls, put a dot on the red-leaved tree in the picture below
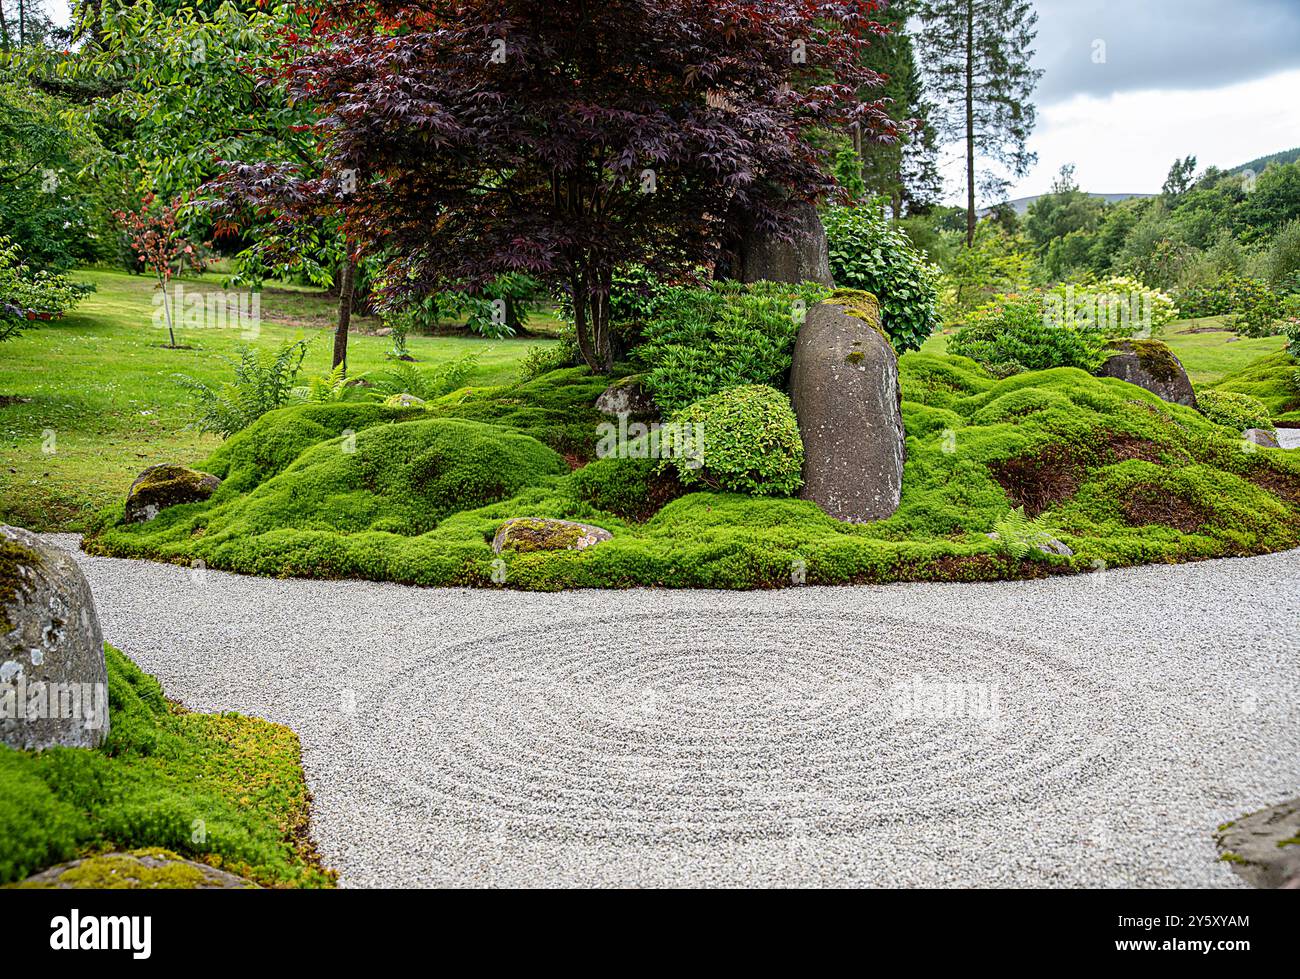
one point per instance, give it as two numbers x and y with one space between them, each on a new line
463 140
160 246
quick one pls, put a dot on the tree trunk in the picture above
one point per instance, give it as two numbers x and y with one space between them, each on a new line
970 123
345 314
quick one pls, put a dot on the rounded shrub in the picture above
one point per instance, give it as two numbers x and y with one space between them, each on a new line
634 489
1236 411
1014 333
749 441
867 252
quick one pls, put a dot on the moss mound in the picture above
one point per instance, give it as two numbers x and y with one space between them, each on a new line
1108 468
1273 381
164 778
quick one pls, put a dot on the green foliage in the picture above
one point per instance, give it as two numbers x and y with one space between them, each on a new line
869 253
997 263
1018 332
1084 456
259 385
159 775
403 377
750 443
1119 305
542 360
703 341
1272 381
1236 411
25 294
1020 538
1284 259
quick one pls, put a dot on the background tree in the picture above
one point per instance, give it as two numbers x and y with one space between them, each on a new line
977 60
565 141
1181 177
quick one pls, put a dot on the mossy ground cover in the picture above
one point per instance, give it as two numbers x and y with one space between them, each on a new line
220 789
1114 472
1273 380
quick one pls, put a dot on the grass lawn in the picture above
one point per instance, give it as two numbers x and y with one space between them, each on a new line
99 401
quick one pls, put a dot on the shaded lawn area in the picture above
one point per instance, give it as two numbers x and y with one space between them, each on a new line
100 401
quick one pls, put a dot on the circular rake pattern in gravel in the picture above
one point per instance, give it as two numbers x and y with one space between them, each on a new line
707 727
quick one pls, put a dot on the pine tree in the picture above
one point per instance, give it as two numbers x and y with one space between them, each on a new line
978 56
904 171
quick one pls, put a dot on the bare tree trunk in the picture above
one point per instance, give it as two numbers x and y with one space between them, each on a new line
970 122
345 314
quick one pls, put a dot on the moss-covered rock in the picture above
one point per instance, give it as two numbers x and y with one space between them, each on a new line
163 486
1152 365
403 401
539 534
144 869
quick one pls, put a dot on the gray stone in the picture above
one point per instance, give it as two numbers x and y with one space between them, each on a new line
627 396
543 534
53 682
844 385
1264 847
1262 437
162 486
1151 365
805 258
137 870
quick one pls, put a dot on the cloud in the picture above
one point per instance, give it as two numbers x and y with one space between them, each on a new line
1161 44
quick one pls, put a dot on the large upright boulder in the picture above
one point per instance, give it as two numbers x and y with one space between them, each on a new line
1151 365
844 385
803 258
53 683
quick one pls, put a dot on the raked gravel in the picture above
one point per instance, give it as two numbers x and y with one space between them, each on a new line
1080 731
1288 438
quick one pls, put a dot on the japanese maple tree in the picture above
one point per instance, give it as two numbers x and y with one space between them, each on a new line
160 246
465 139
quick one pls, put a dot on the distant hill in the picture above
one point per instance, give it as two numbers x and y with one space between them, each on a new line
1021 204
1286 156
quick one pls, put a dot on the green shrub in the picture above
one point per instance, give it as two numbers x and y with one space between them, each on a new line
24 292
159 776
542 360
703 341
750 443
1236 411
1014 333
1118 305
867 252
1231 293
1284 258
633 489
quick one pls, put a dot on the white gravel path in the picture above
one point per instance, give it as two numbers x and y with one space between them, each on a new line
1288 438
1086 731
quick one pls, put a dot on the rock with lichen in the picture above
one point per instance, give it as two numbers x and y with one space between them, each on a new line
1264 847
846 395
1262 437
525 534
628 396
404 401
1152 366
53 682
166 485
149 869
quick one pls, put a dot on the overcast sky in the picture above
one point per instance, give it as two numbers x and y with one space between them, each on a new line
1219 80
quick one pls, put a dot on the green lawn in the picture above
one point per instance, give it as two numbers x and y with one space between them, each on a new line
99 401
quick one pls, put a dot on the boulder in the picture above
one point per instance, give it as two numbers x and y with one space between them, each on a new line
541 534
160 487
627 396
403 401
136 870
1262 437
844 385
53 682
804 258
1264 847
1151 365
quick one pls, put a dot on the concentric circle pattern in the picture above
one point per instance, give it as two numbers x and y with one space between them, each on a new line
708 727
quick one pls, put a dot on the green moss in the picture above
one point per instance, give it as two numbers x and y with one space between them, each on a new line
1114 472
118 871
1273 381
221 789
864 306
13 558
525 534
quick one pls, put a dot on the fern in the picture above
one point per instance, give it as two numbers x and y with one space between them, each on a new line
1019 537
256 389
402 377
